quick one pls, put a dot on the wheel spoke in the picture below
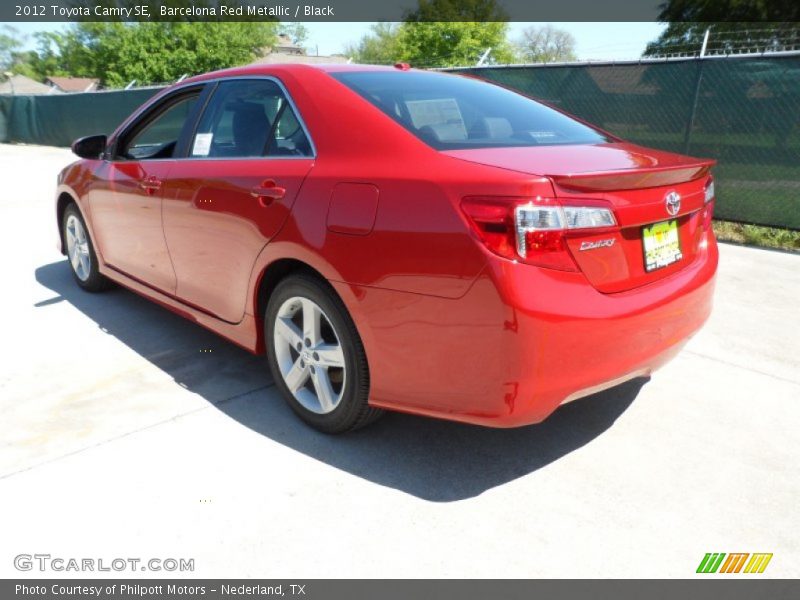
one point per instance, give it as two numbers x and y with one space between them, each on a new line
84 260
296 377
325 394
288 331
330 355
80 233
311 322
74 257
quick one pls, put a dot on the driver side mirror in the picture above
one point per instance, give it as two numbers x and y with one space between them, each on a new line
90 147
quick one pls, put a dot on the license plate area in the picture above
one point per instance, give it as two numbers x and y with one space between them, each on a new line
661 244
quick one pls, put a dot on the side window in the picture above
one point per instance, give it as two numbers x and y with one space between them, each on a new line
249 118
159 135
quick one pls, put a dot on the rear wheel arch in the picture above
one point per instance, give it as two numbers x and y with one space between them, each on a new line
269 279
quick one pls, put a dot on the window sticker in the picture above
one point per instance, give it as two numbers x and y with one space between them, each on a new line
438 111
543 136
202 144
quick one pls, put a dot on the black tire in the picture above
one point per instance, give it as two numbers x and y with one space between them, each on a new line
95 282
352 411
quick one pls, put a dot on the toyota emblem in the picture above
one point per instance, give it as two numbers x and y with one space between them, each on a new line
673 201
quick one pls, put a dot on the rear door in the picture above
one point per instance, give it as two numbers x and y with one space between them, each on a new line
233 191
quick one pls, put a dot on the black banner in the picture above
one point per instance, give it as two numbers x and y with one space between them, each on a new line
325 10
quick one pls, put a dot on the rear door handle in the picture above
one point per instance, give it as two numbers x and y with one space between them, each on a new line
267 192
150 185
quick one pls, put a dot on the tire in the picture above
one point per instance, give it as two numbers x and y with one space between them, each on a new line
80 252
316 357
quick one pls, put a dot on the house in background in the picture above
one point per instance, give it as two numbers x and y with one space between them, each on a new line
19 84
73 84
285 51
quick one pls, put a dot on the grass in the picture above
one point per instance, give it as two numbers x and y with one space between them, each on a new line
756 235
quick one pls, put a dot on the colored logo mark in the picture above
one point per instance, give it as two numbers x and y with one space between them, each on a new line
719 562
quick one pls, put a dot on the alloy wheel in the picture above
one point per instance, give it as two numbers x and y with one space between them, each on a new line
78 248
309 355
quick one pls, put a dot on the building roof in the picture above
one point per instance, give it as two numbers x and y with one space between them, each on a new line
19 84
280 58
73 84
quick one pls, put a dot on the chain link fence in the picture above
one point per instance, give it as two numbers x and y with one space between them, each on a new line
742 111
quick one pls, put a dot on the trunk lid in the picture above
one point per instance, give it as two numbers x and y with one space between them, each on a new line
635 182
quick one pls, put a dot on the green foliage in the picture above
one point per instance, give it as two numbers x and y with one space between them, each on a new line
440 33
297 32
10 43
452 43
736 25
756 235
546 44
379 47
151 52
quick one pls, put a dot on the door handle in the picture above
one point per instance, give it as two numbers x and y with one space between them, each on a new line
150 185
267 192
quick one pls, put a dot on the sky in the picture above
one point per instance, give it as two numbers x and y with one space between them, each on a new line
594 41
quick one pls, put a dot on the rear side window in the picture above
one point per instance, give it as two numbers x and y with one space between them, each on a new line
451 112
249 118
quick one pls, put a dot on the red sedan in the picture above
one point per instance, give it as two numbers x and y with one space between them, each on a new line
398 239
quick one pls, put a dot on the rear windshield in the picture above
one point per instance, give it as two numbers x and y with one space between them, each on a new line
450 112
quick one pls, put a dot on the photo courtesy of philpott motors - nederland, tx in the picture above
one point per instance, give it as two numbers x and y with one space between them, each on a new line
171 589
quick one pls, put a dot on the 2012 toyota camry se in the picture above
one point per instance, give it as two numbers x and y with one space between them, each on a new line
398 239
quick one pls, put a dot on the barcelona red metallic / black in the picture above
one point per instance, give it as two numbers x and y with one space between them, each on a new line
398 239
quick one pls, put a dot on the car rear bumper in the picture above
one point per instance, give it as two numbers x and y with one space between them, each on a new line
574 341
524 340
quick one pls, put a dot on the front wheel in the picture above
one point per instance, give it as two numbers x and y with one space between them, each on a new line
316 356
81 253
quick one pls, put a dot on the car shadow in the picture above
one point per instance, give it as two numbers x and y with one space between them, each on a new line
434 460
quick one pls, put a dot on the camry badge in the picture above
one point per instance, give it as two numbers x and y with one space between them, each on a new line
597 244
673 202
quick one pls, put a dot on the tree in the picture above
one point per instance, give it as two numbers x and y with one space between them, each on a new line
736 25
546 44
10 43
297 32
439 33
149 52
379 47
453 43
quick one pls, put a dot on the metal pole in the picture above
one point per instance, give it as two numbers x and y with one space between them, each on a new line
483 57
705 43
687 134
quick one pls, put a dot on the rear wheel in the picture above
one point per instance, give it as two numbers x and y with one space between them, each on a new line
316 356
80 251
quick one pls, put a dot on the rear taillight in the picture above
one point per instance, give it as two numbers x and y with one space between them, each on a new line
708 206
532 231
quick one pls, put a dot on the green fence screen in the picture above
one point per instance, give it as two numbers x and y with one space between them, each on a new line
59 119
742 111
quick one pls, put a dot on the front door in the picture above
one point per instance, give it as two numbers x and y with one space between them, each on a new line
126 198
246 163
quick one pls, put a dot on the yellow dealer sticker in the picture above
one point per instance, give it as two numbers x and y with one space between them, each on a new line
662 246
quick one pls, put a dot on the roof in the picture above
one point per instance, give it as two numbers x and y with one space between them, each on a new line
293 68
19 84
74 84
